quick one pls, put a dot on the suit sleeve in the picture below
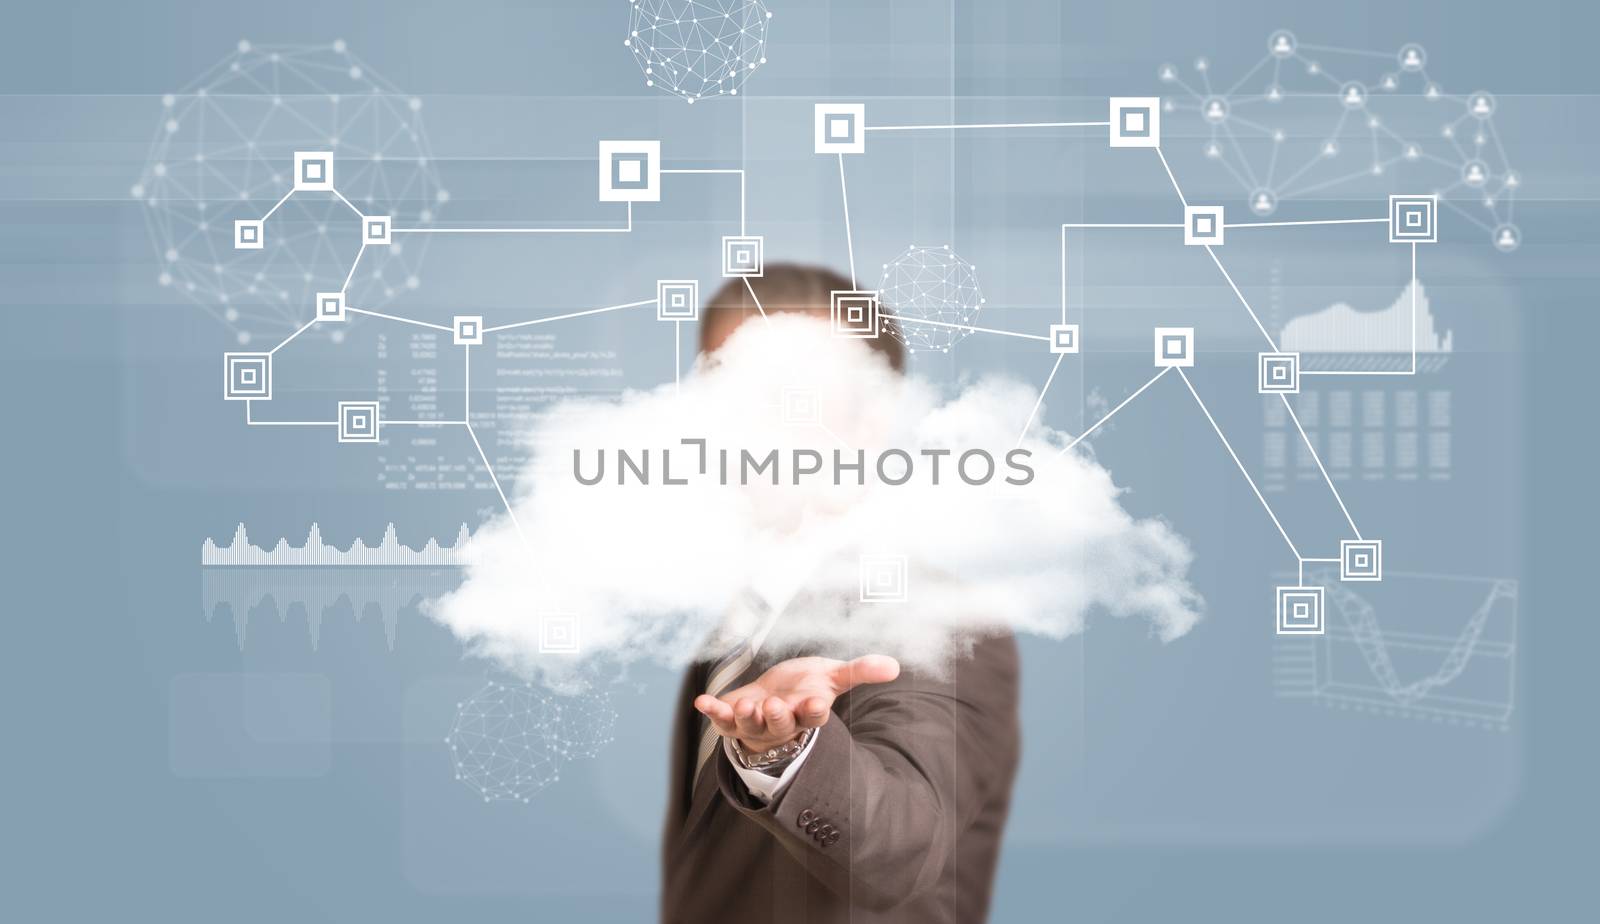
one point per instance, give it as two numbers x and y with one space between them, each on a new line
895 775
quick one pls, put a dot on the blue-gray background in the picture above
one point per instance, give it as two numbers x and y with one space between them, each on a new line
1158 780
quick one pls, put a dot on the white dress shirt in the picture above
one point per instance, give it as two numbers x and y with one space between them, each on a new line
764 786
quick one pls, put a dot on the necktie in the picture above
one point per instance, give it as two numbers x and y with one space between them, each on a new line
728 670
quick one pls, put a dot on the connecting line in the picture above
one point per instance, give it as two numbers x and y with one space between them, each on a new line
849 242
1033 413
278 204
751 289
623 230
1242 470
423 423
1290 224
349 203
1063 275
297 333
1136 393
677 358
913 128
490 469
1318 459
1175 187
466 393
352 273
1259 326
390 317
1079 224
251 421
980 330
739 171
563 317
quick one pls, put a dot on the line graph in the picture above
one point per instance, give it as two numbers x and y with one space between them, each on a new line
1442 648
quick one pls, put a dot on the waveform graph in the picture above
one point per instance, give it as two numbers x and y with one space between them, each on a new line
316 580
1434 647
1397 337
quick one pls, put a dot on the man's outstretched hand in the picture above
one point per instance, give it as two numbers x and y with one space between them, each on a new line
791 696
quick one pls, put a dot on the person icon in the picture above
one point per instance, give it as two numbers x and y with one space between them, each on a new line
1412 58
1168 74
1412 153
1262 202
1475 175
1330 149
1352 96
1275 93
1213 151
1389 83
1282 44
1481 106
1215 111
1507 238
1433 91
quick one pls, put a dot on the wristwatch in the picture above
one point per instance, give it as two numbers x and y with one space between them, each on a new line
772 759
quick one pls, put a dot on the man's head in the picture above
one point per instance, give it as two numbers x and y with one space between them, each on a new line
785 287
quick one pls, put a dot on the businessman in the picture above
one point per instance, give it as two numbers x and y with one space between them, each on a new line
819 790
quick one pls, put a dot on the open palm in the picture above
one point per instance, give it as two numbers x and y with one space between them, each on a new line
791 696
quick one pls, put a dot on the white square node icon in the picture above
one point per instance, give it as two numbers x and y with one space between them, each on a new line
375 230
1361 560
330 306
801 406
677 300
1202 224
884 579
247 376
854 314
1135 122
841 128
630 171
249 234
467 330
1300 611
1174 346
1063 338
313 171
1278 373
741 256
358 421
558 634
1413 219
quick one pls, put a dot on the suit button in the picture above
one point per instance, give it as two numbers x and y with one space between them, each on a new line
806 817
831 839
812 828
825 831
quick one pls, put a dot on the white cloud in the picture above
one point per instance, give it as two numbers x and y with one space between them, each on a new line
650 570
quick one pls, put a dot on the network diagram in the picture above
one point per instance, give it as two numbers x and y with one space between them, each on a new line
215 145
928 297
630 172
1327 117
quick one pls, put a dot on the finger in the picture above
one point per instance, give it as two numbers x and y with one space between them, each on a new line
779 717
813 712
719 712
865 669
747 719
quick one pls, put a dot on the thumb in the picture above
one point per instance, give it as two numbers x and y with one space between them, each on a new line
865 669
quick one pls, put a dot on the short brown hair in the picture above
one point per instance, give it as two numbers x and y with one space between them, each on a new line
787 287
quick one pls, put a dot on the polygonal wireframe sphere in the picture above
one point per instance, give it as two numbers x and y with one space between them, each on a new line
224 150
698 48
930 284
510 739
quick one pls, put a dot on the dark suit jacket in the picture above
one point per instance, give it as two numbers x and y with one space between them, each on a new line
896 815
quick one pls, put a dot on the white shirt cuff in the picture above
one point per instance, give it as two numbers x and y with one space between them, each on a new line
764 786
